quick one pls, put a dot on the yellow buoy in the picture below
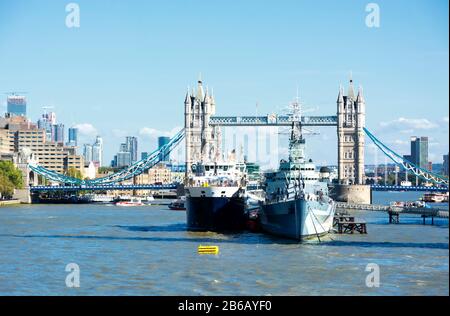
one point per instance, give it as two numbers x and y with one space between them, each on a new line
208 250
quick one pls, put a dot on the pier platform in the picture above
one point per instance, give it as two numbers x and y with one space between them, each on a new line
393 212
346 224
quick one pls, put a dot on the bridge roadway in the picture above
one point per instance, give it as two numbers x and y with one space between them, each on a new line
432 212
174 186
43 188
376 187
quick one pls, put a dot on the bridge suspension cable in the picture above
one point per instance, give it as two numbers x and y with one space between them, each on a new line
135 169
406 164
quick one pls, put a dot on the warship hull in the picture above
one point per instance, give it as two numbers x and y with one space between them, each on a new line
297 219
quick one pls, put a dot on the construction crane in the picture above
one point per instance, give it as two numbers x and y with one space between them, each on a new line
15 93
47 107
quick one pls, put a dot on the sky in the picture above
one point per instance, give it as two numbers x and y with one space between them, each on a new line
125 70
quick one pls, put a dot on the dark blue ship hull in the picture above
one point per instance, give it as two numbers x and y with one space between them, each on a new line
215 213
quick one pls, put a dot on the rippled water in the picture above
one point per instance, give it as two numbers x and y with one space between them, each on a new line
146 251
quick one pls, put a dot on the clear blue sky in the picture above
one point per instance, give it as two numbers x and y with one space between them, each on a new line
128 65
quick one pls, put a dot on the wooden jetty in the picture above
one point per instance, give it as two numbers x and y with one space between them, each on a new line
347 224
393 212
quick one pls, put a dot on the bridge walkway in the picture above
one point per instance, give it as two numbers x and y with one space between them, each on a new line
430 212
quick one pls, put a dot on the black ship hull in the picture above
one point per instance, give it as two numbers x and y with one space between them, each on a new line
215 213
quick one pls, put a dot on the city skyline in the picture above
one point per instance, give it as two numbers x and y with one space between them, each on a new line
91 84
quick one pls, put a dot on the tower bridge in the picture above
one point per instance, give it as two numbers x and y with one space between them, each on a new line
202 135
202 128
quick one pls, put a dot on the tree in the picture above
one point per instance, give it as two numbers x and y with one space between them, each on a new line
74 173
8 169
104 170
6 187
10 178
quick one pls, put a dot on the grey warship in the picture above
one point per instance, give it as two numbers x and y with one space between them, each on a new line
297 204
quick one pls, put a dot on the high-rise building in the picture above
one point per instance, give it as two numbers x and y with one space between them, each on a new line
419 152
46 123
114 161
73 136
97 151
93 152
50 117
132 147
127 153
165 154
123 147
144 155
16 105
445 165
87 153
123 159
58 133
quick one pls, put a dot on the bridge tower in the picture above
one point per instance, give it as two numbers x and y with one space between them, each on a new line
23 158
202 141
351 117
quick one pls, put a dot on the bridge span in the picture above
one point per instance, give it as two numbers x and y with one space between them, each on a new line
377 187
172 186
109 187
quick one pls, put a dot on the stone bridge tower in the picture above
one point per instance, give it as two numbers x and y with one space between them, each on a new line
351 114
202 140
21 160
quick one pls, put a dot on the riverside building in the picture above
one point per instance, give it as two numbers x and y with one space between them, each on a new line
17 133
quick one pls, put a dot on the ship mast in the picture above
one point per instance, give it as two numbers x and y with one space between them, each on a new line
296 140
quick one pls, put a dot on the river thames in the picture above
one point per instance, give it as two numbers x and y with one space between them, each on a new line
147 251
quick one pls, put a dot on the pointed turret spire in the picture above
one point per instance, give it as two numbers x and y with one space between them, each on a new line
206 99
187 99
351 91
212 95
360 97
200 94
340 98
